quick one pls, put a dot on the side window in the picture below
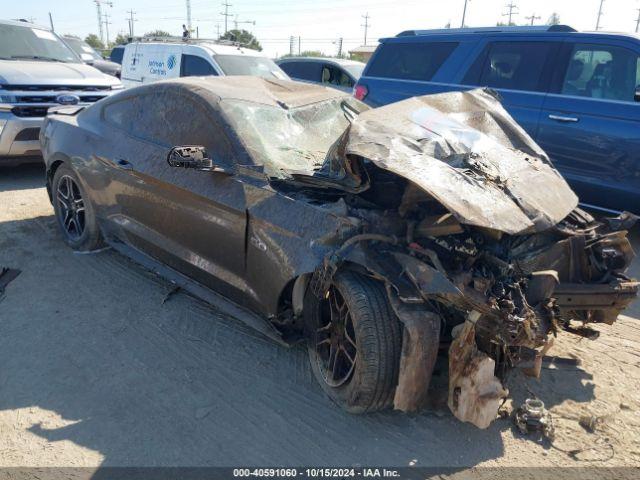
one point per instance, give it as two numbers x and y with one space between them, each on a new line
410 61
510 65
193 66
333 75
120 114
168 118
303 70
602 71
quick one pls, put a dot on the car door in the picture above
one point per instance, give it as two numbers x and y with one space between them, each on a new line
192 221
519 69
591 119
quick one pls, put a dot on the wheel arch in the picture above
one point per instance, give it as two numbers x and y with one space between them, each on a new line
52 167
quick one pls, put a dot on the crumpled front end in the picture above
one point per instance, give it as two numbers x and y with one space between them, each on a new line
479 241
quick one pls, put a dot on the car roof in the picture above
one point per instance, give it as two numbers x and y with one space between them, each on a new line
338 61
507 30
213 47
19 23
270 92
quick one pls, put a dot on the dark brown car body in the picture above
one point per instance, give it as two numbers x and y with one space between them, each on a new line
444 199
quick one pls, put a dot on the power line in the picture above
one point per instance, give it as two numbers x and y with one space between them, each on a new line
512 7
599 15
533 17
366 26
226 15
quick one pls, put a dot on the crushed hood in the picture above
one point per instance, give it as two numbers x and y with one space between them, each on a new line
464 150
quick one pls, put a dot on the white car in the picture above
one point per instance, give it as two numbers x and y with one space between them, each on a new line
37 71
152 60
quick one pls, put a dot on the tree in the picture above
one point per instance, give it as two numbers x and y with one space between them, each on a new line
307 53
121 39
554 19
157 33
243 37
93 40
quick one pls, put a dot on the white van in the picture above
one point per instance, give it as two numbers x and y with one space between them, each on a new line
151 60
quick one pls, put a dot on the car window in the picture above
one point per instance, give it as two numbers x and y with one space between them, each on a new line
510 65
167 119
410 61
310 71
245 65
601 71
193 66
117 54
332 75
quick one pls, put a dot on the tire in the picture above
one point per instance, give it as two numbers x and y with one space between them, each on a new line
74 213
369 384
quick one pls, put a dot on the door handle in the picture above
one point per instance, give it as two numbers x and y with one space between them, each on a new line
561 118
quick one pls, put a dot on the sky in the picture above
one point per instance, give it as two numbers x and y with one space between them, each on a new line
318 23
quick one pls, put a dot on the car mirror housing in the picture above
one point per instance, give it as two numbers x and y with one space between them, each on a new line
192 156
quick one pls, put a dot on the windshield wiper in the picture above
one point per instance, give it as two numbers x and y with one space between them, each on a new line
36 57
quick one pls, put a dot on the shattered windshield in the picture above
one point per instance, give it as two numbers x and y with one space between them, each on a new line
289 140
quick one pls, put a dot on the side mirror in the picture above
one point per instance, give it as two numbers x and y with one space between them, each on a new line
192 156
636 97
86 58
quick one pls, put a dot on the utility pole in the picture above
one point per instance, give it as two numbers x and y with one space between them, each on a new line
226 15
599 15
339 43
464 13
366 26
106 24
512 10
99 4
53 29
189 16
131 20
218 30
292 41
299 45
637 21
533 18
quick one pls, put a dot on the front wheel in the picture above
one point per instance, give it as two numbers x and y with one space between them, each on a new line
74 212
354 340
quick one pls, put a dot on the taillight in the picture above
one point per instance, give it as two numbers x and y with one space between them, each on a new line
360 91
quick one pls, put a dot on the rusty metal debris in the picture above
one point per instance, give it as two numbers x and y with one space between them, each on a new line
533 417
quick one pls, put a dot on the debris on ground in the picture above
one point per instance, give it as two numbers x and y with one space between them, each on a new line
533 417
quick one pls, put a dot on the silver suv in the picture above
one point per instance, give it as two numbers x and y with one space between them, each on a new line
38 71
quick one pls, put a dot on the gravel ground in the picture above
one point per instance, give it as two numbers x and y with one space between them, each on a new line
96 370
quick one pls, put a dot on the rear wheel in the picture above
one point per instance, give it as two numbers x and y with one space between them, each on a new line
74 212
354 341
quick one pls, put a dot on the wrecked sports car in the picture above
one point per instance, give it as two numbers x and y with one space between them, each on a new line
378 236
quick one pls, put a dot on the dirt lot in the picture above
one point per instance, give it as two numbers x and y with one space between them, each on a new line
96 370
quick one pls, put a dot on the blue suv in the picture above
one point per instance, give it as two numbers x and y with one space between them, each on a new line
577 94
